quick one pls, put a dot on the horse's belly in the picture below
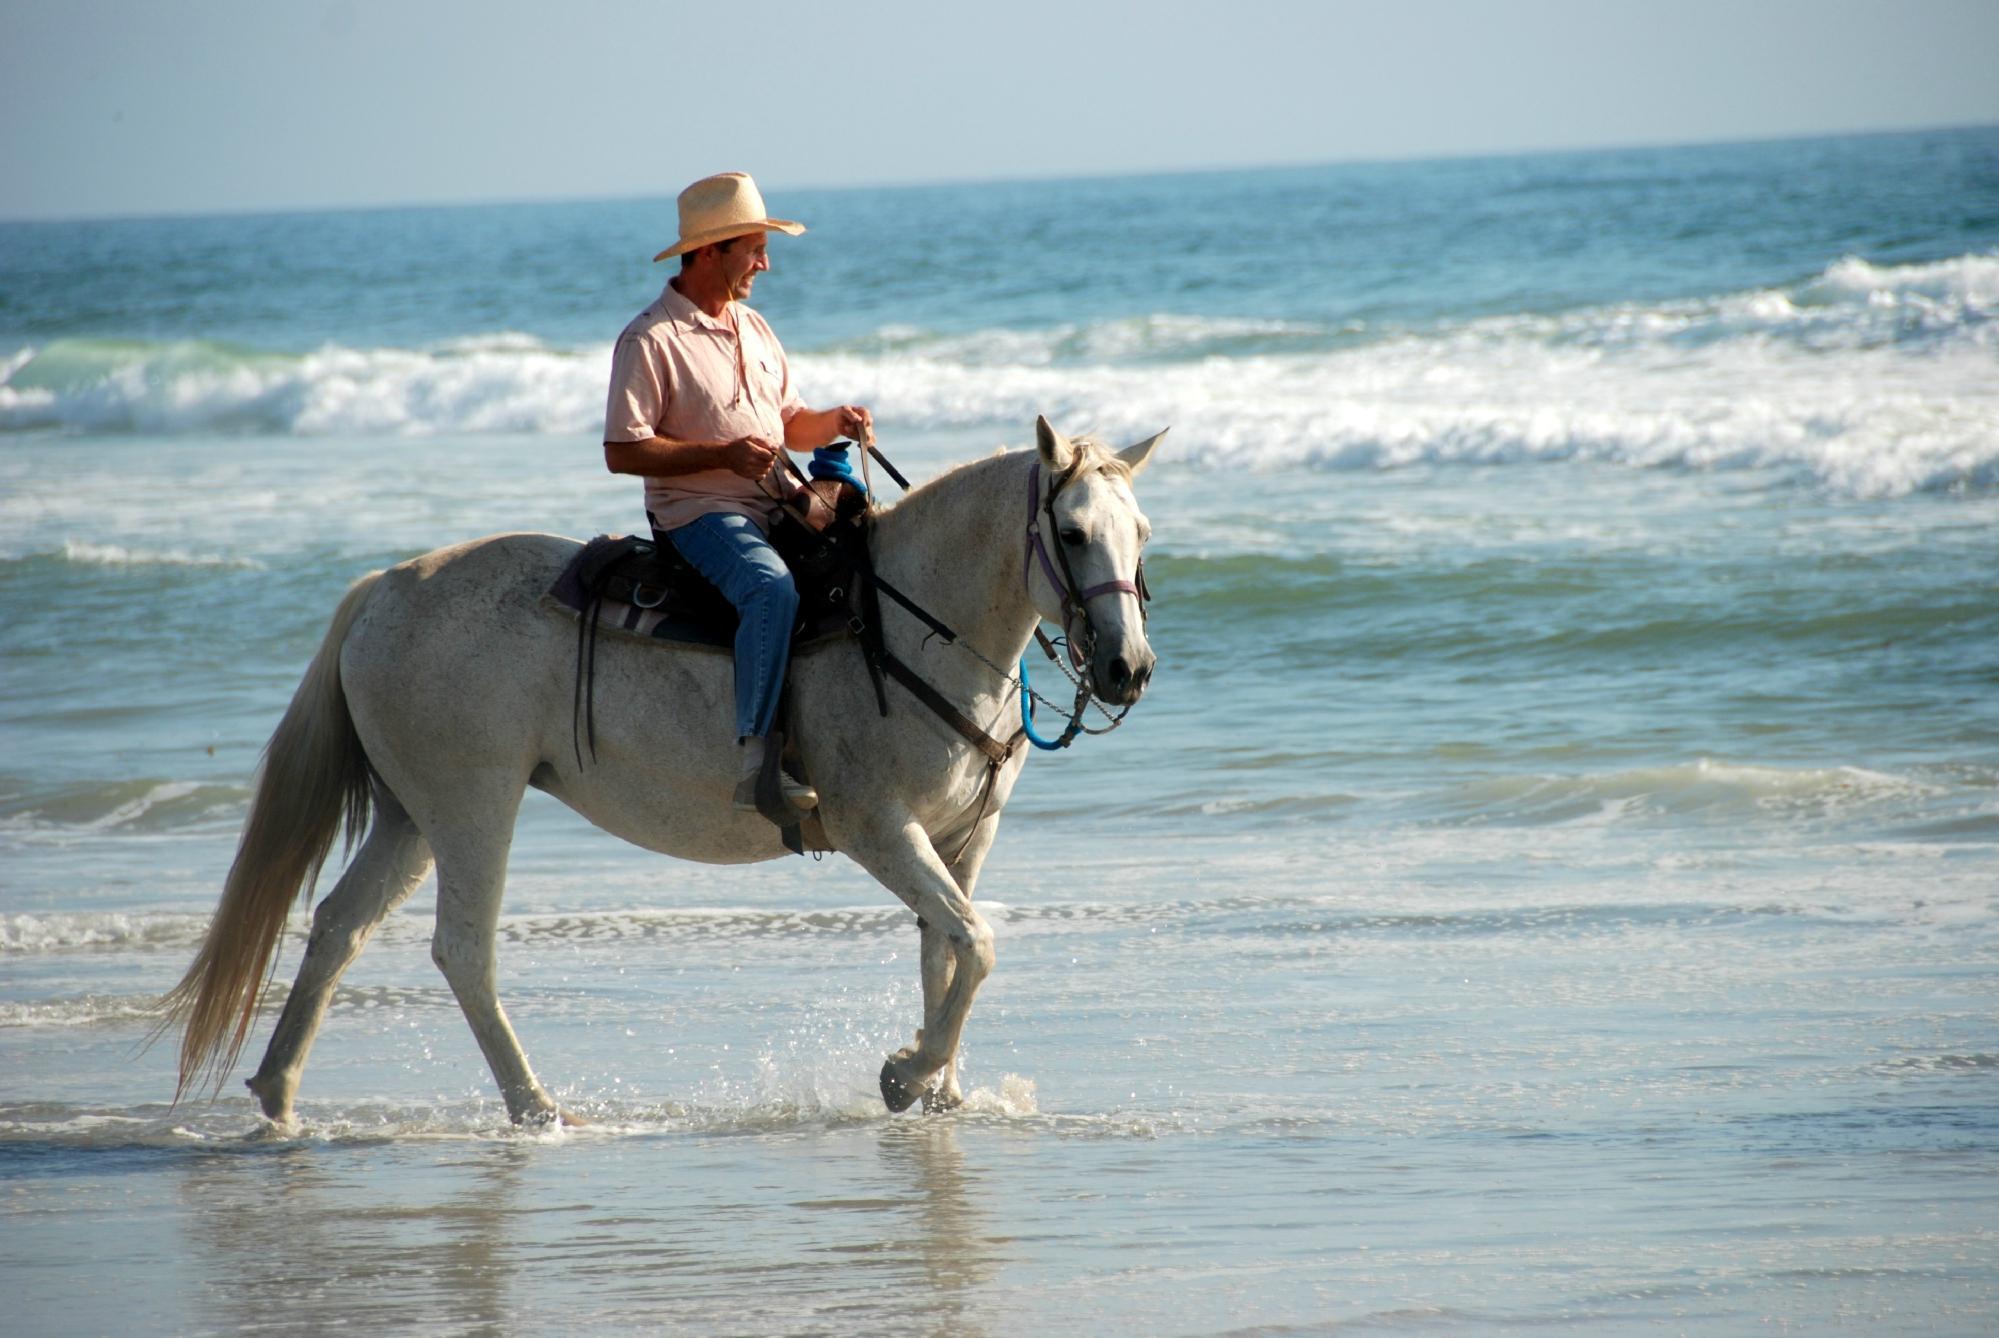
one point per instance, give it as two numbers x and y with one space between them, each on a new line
691 822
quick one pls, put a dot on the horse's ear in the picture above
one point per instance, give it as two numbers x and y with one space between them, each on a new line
1056 452
1137 457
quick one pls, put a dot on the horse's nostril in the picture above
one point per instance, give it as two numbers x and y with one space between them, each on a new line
1120 672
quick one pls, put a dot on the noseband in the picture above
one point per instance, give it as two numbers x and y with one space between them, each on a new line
1075 602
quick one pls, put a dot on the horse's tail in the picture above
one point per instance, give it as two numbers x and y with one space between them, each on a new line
314 775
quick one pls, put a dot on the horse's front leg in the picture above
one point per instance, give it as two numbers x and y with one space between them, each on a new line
938 962
904 861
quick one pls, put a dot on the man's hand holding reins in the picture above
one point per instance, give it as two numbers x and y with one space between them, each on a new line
749 457
857 422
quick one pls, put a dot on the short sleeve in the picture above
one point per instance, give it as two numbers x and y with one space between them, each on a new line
637 403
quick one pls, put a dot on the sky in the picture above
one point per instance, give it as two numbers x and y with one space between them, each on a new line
121 107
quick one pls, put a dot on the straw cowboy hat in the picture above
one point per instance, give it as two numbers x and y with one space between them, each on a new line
717 208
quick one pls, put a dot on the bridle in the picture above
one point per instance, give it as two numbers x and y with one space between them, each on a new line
1075 601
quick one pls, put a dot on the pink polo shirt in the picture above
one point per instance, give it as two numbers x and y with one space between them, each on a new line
680 373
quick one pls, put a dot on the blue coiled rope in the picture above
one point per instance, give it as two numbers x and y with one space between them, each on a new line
1027 716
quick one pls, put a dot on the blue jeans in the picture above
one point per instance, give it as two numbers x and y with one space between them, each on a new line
733 554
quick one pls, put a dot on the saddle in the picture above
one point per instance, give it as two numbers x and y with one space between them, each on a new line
643 586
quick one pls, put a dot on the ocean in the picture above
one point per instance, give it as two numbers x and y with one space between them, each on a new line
1551 884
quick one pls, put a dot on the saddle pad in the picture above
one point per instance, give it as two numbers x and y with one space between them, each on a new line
582 578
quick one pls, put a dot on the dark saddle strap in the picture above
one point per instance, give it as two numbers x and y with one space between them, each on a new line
995 752
882 662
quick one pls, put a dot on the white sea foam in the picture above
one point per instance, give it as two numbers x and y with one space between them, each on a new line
1705 788
501 383
1966 287
1869 380
84 1011
86 931
118 555
105 930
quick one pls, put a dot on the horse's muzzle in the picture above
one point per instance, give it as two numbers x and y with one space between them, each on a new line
1121 679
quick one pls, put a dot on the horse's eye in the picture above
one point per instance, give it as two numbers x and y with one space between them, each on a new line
1073 537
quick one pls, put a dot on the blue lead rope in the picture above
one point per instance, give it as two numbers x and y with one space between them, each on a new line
1027 715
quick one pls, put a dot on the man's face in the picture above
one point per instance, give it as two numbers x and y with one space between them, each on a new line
745 258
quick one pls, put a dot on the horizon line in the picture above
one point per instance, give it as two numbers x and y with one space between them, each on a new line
778 184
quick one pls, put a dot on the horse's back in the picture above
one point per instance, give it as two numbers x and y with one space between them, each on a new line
520 565
464 682
454 644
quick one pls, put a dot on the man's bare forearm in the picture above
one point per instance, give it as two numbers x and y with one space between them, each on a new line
663 457
809 429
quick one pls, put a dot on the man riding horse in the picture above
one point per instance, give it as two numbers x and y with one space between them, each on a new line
701 403
443 691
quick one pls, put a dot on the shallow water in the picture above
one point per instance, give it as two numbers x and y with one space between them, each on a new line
1550 884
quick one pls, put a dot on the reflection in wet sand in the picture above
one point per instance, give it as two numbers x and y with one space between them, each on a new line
314 1238
876 1227
952 1240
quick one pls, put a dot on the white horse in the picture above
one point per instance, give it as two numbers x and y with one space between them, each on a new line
444 688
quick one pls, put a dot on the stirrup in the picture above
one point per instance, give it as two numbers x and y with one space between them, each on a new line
771 790
797 794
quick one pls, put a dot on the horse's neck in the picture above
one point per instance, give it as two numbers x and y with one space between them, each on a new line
954 546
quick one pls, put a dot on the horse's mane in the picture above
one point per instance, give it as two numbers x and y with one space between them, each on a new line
1097 458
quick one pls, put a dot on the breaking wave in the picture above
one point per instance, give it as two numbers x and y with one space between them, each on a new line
118 555
126 806
1706 788
1867 379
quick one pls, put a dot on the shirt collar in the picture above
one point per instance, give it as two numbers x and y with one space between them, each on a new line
680 311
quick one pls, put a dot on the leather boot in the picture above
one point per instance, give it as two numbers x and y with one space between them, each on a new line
796 793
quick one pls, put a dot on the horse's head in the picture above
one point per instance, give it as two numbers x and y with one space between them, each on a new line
1093 531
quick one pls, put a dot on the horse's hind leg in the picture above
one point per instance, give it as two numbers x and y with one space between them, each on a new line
471 876
391 863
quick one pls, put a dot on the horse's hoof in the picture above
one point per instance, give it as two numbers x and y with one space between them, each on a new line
274 1101
938 1102
897 1095
571 1120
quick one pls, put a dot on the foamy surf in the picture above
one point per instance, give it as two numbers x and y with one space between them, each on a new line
233 1120
1868 380
109 931
87 554
1707 789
